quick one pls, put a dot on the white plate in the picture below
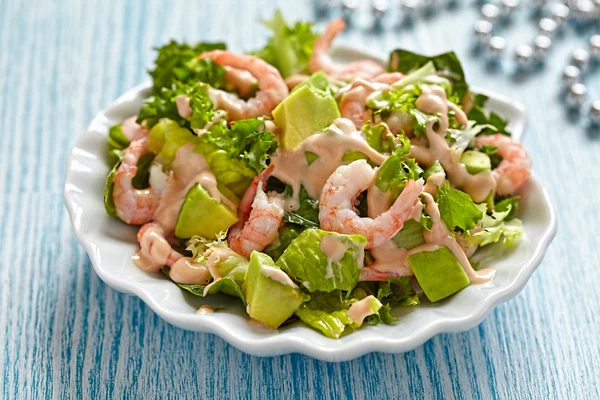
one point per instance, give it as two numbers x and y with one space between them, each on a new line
110 244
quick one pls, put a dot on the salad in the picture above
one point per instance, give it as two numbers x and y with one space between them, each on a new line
310 190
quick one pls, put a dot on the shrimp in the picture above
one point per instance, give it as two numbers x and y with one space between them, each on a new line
132 130
155 247
336 211
133 206
260 215
388 77
321 61
515 167
241 81
271 87
295 80
353 101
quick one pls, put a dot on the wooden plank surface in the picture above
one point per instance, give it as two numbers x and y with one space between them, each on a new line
63 333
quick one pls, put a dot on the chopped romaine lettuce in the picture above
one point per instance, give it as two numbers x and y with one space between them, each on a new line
324 261
477 114
457 209
447 65
224 285
178 63
496 226
290 47
307 214
287 233
463 137
379 137
410 236
109 203
396 170
116 142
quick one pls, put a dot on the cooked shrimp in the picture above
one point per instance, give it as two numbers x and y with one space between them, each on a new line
242 81
353 101
388 77
259 217
155 247
515 167
295 80
132 130
336 208
271 87
321 60
133 206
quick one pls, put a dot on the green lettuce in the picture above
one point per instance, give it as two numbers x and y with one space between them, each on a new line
117 142
307 215
457 209
447 65
109 203
224 285
328 312
177 63
397 170
495 227
287 233
410 236
379 137
478 114
304 261
290 47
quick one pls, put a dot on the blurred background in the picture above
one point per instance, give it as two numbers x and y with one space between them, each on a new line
63 333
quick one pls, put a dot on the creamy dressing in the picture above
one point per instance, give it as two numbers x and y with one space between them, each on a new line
441 236
185 270
277 275
183 106
291 167
433 101
188 169
390 260
213 256
227 101
378 202
334 249
361 309
154 252
205 309
434 182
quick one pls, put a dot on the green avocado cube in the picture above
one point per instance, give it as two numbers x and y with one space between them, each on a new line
271 296
439 273
202 215
476 161
158 134
306 111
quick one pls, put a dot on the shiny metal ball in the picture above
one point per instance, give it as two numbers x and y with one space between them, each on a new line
560 13
584 10
379 8
524 55
349 7
409 7
580 58
541 45
571 75
483 30
490 12
508 6
594 46
547 27
595 112
497 46
577 95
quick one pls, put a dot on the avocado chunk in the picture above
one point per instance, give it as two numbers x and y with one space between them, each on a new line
304 112
271 296
410 236
174 137
476 161
317 80
439 273
158 133
202 215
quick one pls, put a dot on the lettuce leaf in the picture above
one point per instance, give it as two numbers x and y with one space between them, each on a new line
308 213
457 209
496 226
379 137
290 47
116 142
109 203
177 63
410 236
224 285
287 233
478 114
447 65
304 261
396 170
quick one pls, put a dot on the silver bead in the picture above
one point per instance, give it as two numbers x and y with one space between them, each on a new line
576 95
570 75
409 7
547 27
523 55
379 8
594 45
349 7
580 58
490 12
560 13
508 6
595 112
497 45
541 45
483 30
584 10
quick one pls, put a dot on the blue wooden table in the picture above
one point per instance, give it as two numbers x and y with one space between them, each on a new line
63 333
